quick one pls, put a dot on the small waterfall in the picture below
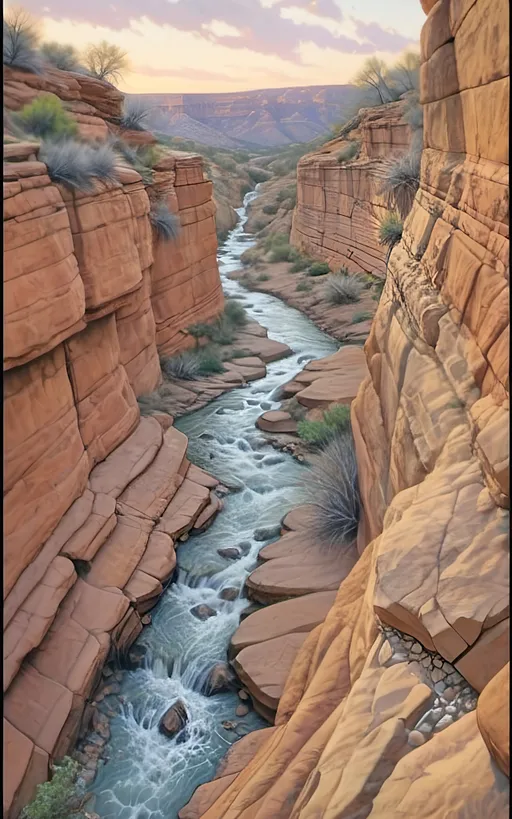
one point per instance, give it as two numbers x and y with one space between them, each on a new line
147 775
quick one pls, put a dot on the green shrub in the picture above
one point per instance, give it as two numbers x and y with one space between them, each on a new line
300 263
332 488
46 118
59 798
78 165
238 353
210 362
263 277
357 318
319 269
166 224
343 289
274 240
270 210
319 432
303 287
296 410
250 256
61 56
235 313
280 253
401 180
134 115
350 151
257 175
184 366
390 230
287 193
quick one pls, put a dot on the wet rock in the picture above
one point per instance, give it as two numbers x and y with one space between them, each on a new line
146 620
135 657
241 710
230 552
203 612
243 694
220 678
174 719
221 490
107 671
244 546
229 725
229 593
100 724
267 532
249 610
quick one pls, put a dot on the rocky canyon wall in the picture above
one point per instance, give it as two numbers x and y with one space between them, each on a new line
94 495
424 613
339 204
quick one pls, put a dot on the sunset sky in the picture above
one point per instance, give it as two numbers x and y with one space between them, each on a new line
236 45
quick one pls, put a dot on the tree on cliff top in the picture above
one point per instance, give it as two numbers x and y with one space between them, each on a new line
21 39
373 75
106 61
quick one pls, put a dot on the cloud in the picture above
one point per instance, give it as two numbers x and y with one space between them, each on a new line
260 29
382 39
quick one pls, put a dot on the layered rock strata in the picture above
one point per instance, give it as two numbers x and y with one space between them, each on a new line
339 203
377 715
94 496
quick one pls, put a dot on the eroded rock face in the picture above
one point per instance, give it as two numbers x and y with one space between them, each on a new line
86 479
376 717
339 204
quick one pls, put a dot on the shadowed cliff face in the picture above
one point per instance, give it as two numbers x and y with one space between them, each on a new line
362 728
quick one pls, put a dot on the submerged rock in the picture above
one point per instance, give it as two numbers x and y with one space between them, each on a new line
203 611
229 593
267 532
174 719
220 678
135 657
230 552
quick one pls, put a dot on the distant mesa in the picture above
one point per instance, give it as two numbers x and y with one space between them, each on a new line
265 118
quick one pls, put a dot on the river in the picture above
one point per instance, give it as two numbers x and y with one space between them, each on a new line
148 776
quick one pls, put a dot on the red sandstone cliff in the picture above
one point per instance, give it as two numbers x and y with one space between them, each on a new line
91 298
423 615
339 205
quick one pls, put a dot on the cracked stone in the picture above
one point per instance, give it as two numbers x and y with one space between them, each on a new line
437 675
438 663
416 649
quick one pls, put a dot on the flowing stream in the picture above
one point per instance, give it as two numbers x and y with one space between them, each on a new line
148 776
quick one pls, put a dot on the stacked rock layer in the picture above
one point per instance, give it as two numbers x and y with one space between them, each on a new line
396 701
94 496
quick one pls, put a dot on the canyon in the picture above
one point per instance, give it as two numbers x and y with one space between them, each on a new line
261 118
376 676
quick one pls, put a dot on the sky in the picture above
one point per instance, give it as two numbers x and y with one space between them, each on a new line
188 46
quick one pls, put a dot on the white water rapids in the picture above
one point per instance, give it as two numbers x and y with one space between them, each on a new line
148 776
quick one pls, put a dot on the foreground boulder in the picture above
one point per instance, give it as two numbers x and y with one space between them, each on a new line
220 678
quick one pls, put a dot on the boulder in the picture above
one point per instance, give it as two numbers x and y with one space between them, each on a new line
230 552
203 612
276 421
220 678
174 720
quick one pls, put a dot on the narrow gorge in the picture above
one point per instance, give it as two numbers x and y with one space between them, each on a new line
176 619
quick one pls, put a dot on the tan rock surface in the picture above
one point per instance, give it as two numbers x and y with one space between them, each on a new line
264 667
276 421
492 716
288 617
296 565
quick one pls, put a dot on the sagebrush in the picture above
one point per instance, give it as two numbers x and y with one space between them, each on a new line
21 40
61 56
166 224
134 116
400 181
319 269
77 165
332 487
350 151
390 230
343 289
